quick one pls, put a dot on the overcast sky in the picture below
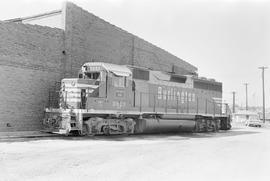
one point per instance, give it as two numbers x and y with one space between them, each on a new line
226 39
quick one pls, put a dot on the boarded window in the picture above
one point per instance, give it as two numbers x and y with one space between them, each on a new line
214 86
140 74
178 78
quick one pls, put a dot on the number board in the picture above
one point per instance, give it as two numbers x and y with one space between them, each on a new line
94 69
119 94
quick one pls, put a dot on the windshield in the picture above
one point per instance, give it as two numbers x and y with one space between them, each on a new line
92 75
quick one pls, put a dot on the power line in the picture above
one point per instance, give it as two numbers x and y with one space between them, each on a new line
34 17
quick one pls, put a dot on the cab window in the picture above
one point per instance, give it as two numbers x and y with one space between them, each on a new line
92 75
119 81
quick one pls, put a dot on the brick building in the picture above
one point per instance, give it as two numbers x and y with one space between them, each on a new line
34 57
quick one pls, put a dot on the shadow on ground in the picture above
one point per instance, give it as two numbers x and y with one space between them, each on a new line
150 137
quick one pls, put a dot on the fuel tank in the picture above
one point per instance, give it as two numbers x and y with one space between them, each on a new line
155 125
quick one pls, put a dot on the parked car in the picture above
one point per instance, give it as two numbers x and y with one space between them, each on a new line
254 120
248 118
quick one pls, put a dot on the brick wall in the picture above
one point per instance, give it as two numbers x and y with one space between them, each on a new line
31 60
89 38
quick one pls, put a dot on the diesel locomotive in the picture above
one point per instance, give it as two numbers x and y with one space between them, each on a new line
109 99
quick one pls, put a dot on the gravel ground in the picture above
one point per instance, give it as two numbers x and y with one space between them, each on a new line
239 154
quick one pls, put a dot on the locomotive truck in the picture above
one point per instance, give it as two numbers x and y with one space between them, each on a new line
109 99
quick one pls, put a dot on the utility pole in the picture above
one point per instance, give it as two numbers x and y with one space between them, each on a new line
233 101
132 50
263 68
246 85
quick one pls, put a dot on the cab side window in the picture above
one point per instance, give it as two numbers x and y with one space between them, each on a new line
119 81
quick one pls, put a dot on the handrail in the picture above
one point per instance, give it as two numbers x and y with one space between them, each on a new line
146 102
206 106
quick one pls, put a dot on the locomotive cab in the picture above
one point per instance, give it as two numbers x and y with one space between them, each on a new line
98 86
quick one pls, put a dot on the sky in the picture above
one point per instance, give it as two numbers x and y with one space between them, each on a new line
225 39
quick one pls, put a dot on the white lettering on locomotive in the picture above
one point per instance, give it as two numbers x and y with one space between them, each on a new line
178 95
159 92
175 94
182 97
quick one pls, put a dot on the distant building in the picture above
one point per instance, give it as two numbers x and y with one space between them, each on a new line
267 116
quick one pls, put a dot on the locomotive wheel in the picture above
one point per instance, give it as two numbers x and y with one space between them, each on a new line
214 125
197 127
85 129
106 130
208 125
